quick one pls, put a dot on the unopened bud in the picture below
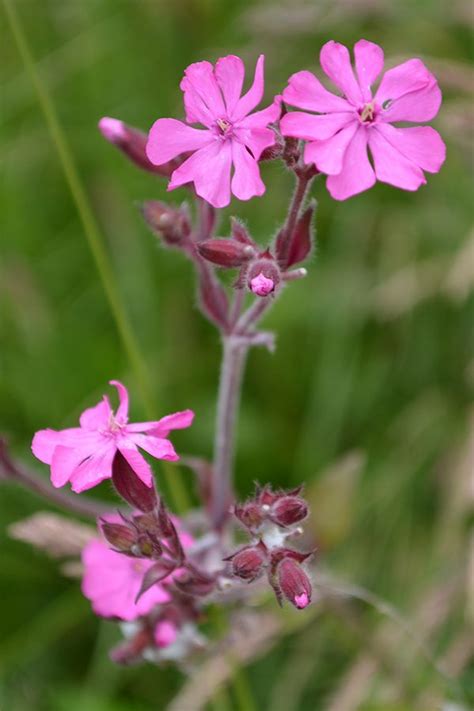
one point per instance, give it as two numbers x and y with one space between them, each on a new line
289 510
170 224
248 563
121 537
250 514
294 583
130 487
228 253
132 142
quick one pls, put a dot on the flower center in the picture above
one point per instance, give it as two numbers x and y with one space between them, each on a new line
368 113
224 128
114 426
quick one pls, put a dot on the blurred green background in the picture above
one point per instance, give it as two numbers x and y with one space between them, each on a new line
368 398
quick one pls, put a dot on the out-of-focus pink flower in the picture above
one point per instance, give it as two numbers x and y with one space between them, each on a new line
345 126
84 455
113 580
165 633
233 137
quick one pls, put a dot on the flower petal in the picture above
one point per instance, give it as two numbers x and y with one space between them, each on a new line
336 63
420 144
230 72
138 463
246 182
95 469
403 79
313 128
369 63
122 412
169 138
64 462
45 441
357 174
393 167
200 82
307 92
252 131
156 446
96 417
209 169
253 96
420 105
162 428
328 156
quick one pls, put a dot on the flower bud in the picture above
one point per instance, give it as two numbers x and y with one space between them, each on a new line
192 582
130 487
131 141
250 515
263 276
248 563
228 253
294 583
171 225
289 510
121 537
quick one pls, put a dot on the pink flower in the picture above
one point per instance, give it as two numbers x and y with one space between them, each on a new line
232 135
112 580
84 455
344 127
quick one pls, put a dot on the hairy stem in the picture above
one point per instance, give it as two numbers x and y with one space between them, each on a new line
233 361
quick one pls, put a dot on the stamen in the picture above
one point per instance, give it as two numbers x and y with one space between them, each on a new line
368 112
223 125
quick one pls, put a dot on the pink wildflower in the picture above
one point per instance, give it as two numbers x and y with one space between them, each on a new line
344 126
84 455
165 633
232 135
112 580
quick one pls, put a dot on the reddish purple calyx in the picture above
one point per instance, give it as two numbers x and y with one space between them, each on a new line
261 286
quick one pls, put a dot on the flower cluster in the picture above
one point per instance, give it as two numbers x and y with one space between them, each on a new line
145 569
338 130
272 517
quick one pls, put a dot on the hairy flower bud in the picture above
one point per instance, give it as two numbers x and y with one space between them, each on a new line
131 141
289 510
248 563
250 515
121 537
227 253
294 583
130 487
171 225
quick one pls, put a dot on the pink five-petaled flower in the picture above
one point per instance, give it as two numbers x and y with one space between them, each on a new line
84 455
339 135
232 135
112 580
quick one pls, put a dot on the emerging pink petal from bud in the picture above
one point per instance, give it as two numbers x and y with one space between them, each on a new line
261 286
112 129
132 142
294 583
